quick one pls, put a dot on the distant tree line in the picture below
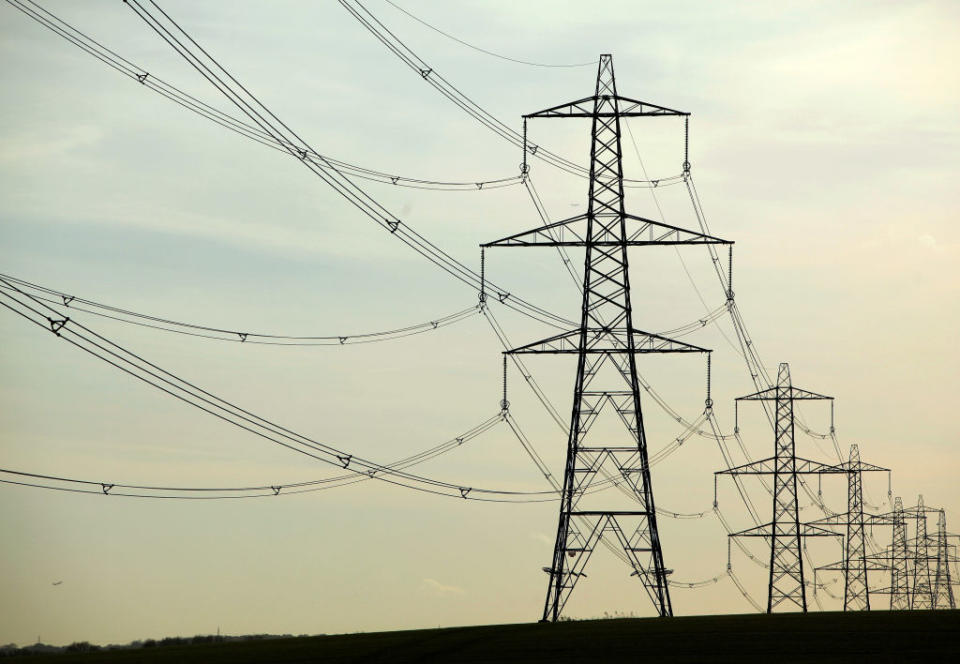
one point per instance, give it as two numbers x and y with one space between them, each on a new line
11 649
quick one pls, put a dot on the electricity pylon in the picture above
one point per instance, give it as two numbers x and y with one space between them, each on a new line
855 563
894 558
921 596
912 584
606 344
899 570
787 585
942 585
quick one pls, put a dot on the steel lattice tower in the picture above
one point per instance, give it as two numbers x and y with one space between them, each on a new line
921 596
899 570
855 563
856 593
787 585
606 344
942 586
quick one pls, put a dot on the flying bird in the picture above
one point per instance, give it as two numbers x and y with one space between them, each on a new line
57 583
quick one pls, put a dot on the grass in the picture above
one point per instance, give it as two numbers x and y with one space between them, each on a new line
876 637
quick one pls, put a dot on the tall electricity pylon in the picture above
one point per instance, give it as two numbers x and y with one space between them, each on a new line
942 585
899 570
855 563
787 585
606 344
921 596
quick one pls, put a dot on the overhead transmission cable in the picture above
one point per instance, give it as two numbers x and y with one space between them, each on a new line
78 303
258 113
111 312
82 337
483 50
130 490
396 46
151 81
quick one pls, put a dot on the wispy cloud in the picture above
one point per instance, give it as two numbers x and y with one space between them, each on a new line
540 537
27 147
441 590
928 241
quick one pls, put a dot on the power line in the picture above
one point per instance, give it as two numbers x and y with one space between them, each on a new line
130 490
138 367
262 116
151 81
92 307
221 334
432 77
483 50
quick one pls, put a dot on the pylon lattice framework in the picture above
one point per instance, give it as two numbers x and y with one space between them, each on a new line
787 585
606 345
855 564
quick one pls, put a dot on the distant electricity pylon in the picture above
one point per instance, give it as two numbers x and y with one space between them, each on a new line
921 595
606 344
899 569
942 585
912 583
894 558
855 563
787 586
931 589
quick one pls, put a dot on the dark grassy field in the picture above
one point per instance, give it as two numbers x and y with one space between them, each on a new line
879 636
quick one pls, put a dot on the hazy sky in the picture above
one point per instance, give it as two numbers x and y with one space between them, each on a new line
824 140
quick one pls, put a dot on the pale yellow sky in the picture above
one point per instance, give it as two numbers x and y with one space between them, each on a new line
824 141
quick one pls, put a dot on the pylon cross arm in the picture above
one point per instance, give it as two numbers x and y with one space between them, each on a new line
769 467
640 232
607 341
773 393
589 107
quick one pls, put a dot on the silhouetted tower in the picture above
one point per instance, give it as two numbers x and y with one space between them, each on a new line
921 596
787 585
606 344
855 563
899 569
856 594
942 586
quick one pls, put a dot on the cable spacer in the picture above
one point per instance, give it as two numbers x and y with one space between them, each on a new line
243 336
435 324
57 324
503 297
345 460
143 77
459 440
302 153
276 490
425 72
67 299
479 185
655 183
464 491
394 178
393 225
343 340
533 149
106 488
